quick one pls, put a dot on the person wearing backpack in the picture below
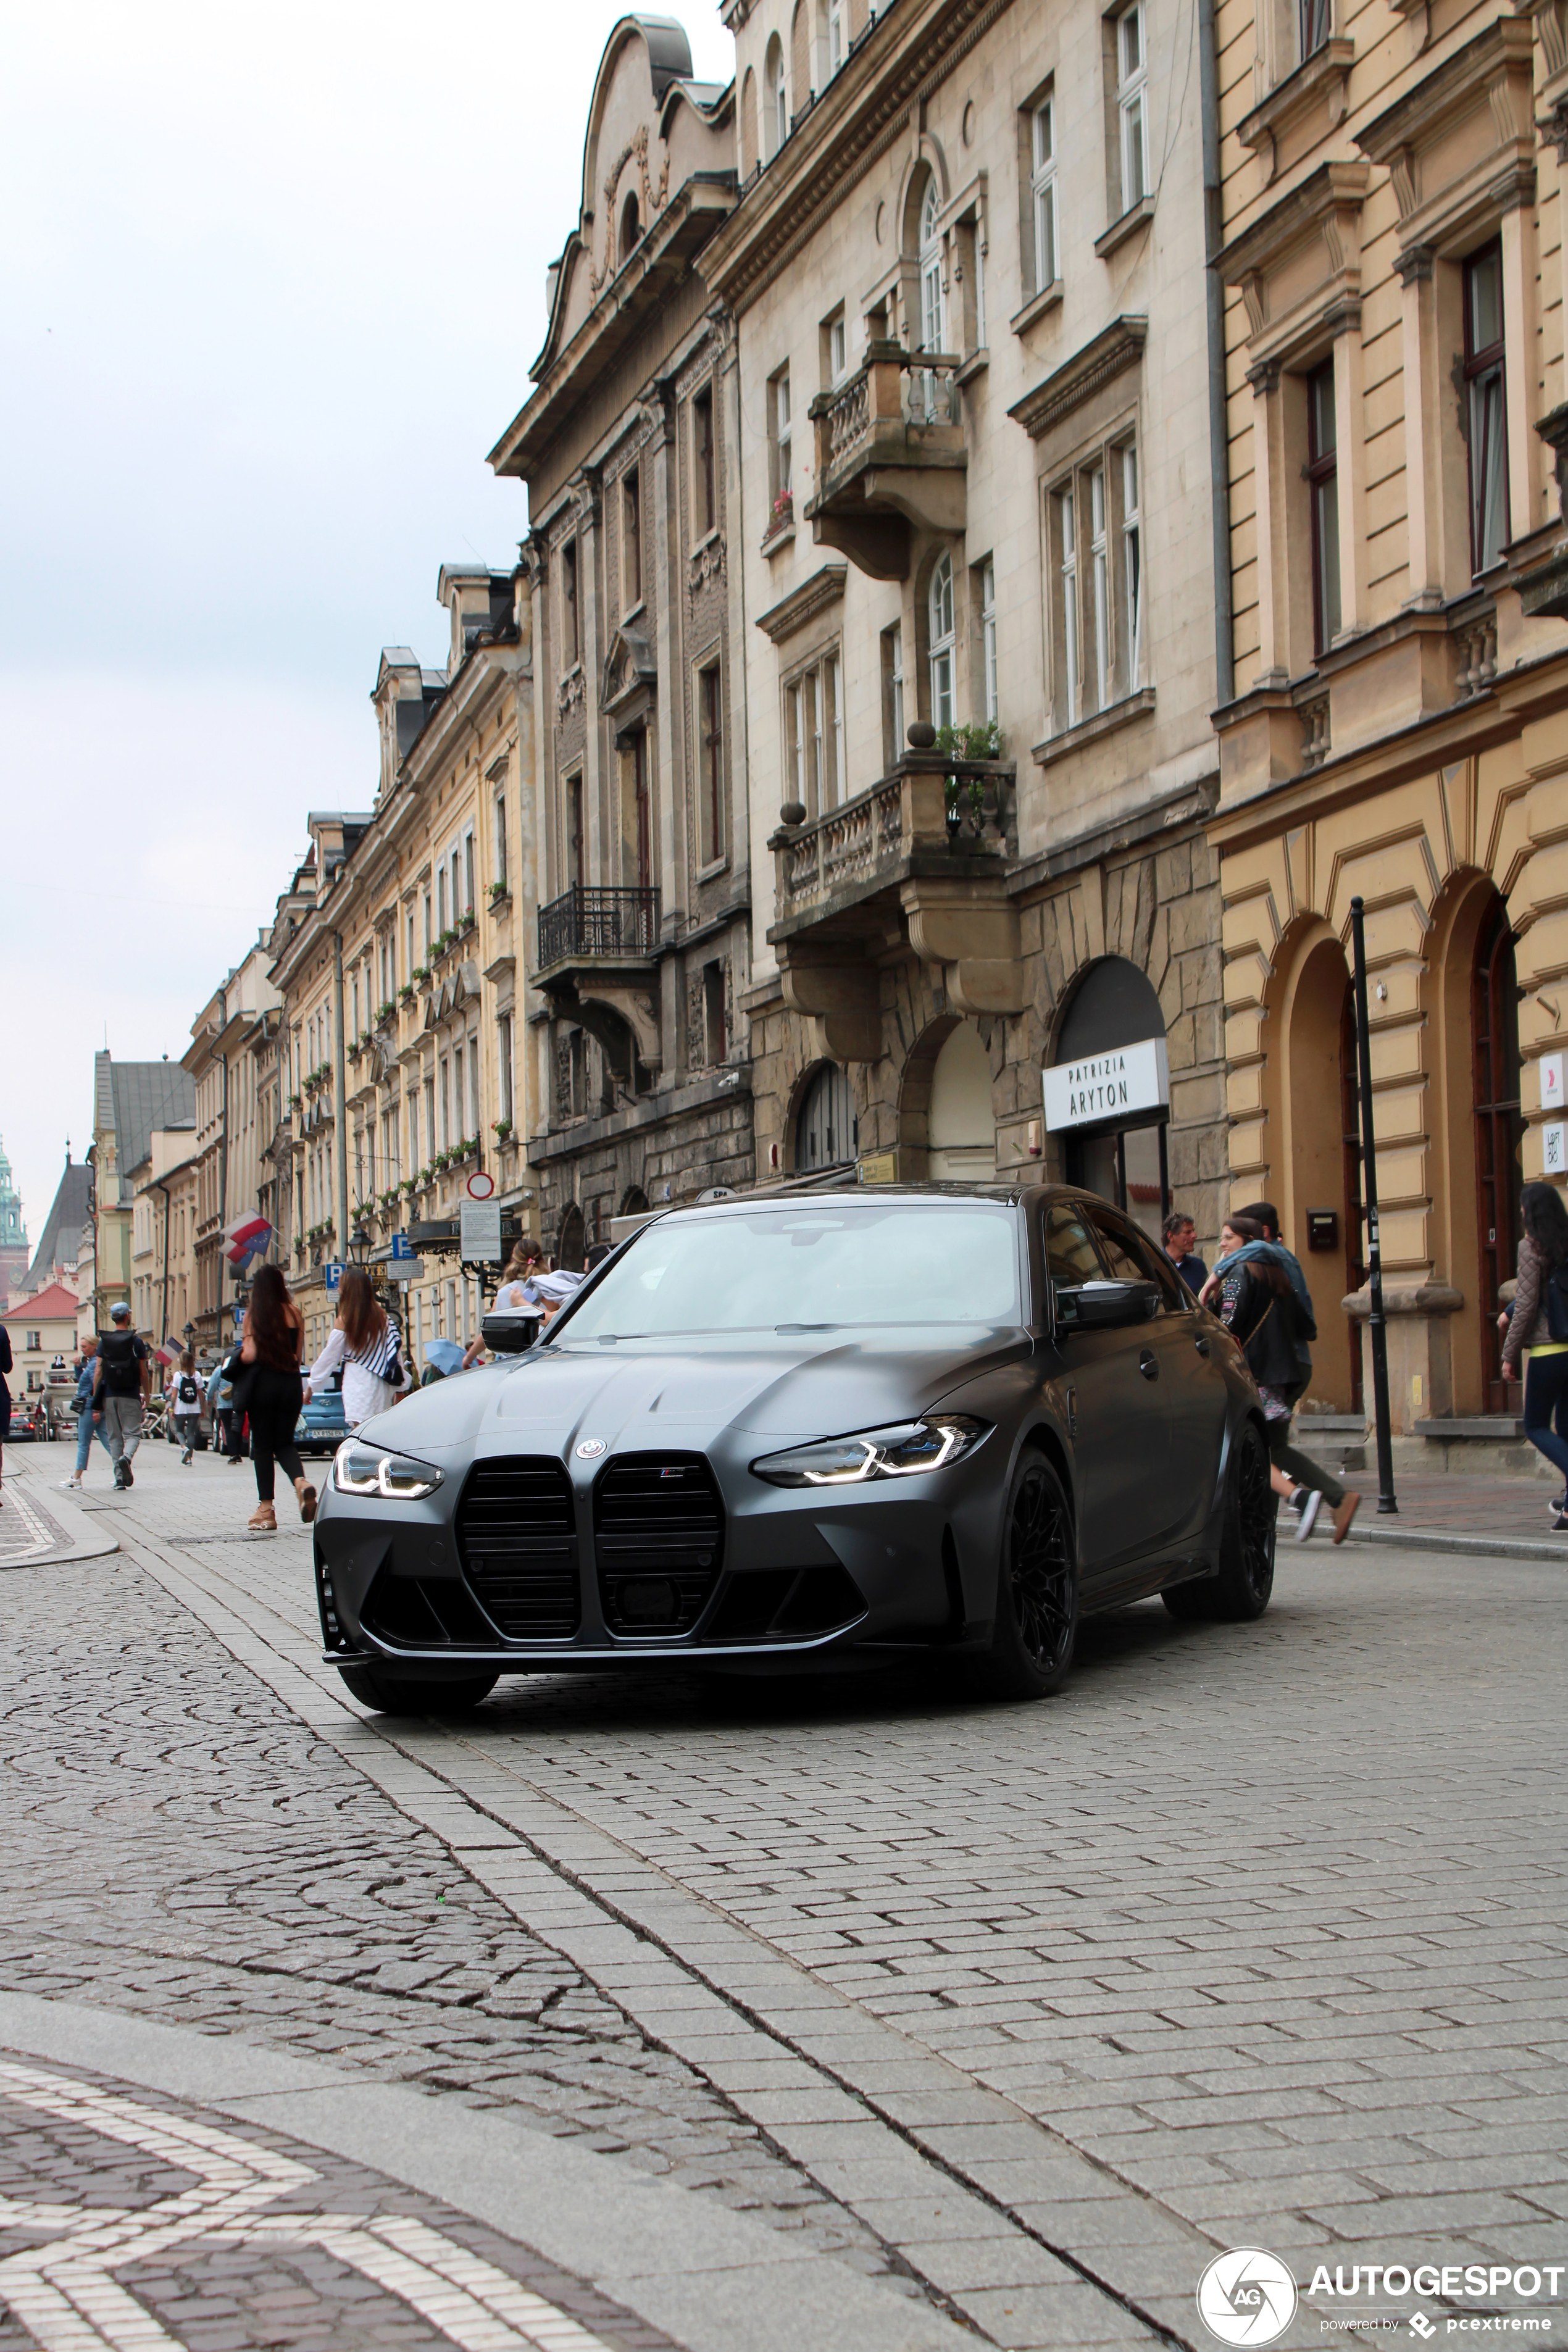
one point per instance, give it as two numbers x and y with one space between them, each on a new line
122 1385
1537 1327
187 1401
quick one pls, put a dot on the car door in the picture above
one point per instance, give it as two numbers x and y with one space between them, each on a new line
1118 1414
1181 1338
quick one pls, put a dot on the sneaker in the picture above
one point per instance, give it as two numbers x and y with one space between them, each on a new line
71 1485
121 1476
1560 1524
186 1455
1306 1510
1344 1515
1558 1503
129 1477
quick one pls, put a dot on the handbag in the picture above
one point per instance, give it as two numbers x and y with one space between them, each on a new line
240 1377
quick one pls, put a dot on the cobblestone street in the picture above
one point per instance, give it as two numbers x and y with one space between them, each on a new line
986 2021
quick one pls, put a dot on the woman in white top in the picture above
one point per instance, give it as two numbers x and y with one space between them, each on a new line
366 1342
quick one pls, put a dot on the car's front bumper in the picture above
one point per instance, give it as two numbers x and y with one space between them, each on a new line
556 1580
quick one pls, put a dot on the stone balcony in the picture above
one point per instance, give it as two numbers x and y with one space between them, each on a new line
891 458
917 863
597 948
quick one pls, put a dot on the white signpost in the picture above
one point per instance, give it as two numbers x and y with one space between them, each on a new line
1109 1086
479 1231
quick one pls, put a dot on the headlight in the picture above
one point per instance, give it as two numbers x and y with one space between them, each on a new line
362 1469
902 1451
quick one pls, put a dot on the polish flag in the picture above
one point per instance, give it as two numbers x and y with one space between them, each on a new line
245 1237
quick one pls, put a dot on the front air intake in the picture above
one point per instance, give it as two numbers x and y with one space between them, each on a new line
517 1538
659 1535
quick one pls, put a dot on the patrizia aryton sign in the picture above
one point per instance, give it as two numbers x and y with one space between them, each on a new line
1115 1084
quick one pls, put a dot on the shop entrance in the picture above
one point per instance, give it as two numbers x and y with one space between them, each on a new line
1121 1158
1127 1165
1500 1128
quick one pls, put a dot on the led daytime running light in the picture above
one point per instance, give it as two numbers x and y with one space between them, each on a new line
903 1450
361 1469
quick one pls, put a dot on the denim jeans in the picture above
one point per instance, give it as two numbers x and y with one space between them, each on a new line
86 1429
1546 1408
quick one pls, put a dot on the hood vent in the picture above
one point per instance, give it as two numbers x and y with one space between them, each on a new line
658 1534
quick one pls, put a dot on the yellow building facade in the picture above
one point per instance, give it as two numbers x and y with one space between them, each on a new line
1394 268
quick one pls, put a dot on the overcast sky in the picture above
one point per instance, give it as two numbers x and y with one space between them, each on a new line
272 286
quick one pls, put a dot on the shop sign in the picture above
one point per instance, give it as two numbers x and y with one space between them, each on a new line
1552 1082
1554 1148
1112 1087
479 1231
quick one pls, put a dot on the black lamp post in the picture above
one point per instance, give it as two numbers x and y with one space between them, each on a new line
359 1244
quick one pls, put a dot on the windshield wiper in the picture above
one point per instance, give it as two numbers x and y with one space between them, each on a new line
808 1327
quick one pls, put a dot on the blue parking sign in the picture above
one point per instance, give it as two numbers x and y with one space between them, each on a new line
334 1275
402 1246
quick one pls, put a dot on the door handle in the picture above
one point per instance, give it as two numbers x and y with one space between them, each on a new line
1149 1364
1201 1346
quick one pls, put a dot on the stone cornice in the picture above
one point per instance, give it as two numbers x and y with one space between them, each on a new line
1114 350
864 111
802 603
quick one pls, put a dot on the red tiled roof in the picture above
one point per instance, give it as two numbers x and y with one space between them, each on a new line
56 1305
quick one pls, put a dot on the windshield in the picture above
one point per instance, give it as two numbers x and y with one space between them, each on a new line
785 1268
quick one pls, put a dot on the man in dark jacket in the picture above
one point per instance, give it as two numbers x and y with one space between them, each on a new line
1258 1226
121 1386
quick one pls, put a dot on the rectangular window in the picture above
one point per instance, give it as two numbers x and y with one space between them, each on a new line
837 790
1043 191
705 512
569 639
1485 412
779 434
1067 543
893 694
1317 22
576 872
631 542
988 637
499 810
427 931
819 801
1100 569
473 1085
1132 567
711 761
430 1145
413 957
837 352
446 1078
835 34
504 1057
1323 489
412 1101
353 997
715 1034
457 899
636 775
794 745
441 901
467 906
1132 105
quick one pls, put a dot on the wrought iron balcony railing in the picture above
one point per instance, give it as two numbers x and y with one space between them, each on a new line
584 922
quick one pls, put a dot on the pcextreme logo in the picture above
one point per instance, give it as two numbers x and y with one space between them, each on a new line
1247 2296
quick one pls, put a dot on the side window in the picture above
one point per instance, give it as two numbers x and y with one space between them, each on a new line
1131 1258
1071 1258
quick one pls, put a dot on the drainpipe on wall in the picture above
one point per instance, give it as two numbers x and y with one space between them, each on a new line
1219 445
339 1086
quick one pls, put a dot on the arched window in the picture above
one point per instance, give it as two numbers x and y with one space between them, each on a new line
631 225
940 640
933 305
775 103
826 1131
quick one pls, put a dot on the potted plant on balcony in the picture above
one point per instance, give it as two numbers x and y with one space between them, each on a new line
500 896
501 1127
384 1013
406 993
970 743
465 922
781 514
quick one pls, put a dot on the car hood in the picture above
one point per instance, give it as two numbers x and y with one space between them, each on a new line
646 1395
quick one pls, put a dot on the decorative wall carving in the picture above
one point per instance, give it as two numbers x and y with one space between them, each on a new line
654 199
708 563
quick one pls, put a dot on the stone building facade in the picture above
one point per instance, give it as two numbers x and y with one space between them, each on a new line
968 274
640 961
1393 249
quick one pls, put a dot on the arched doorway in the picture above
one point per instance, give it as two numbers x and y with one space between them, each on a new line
570 1247
1499 1130
1113 1117
635 1202
961 1124
826 1129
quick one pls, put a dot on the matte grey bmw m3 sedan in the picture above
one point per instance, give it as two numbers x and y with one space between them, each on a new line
809 1430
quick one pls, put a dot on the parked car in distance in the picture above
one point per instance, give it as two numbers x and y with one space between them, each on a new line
321 1427
28 1422
790 1431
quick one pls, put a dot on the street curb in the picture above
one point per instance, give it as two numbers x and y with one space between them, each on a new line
712 2278
92 1542
1555 1555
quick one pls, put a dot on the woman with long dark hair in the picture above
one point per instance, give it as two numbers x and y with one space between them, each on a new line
367 1344
1543 1266
272 1345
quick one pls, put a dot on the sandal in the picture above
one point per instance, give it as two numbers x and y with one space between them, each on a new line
307 1502
263 1520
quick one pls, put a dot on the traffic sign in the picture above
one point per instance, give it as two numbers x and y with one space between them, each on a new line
402 1246
479 1230
480 1186
333 1273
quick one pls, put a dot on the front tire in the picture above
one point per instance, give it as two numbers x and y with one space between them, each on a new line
1036 1631
432 1696
1240 1590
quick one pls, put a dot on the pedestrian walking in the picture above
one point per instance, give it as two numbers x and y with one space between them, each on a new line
1537 1327
88 1426
122 1380
1179 1235
366 1342
267 1384
187 1402
1257 1289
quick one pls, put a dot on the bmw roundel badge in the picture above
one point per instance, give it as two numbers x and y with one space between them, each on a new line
589 1449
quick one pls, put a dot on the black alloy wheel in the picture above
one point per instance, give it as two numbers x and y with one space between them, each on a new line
1241 1589
388 1695
1037 1596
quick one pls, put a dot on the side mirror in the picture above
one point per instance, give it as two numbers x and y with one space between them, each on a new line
1105 1306
509 1333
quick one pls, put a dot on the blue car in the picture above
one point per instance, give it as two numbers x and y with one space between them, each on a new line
321 1428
